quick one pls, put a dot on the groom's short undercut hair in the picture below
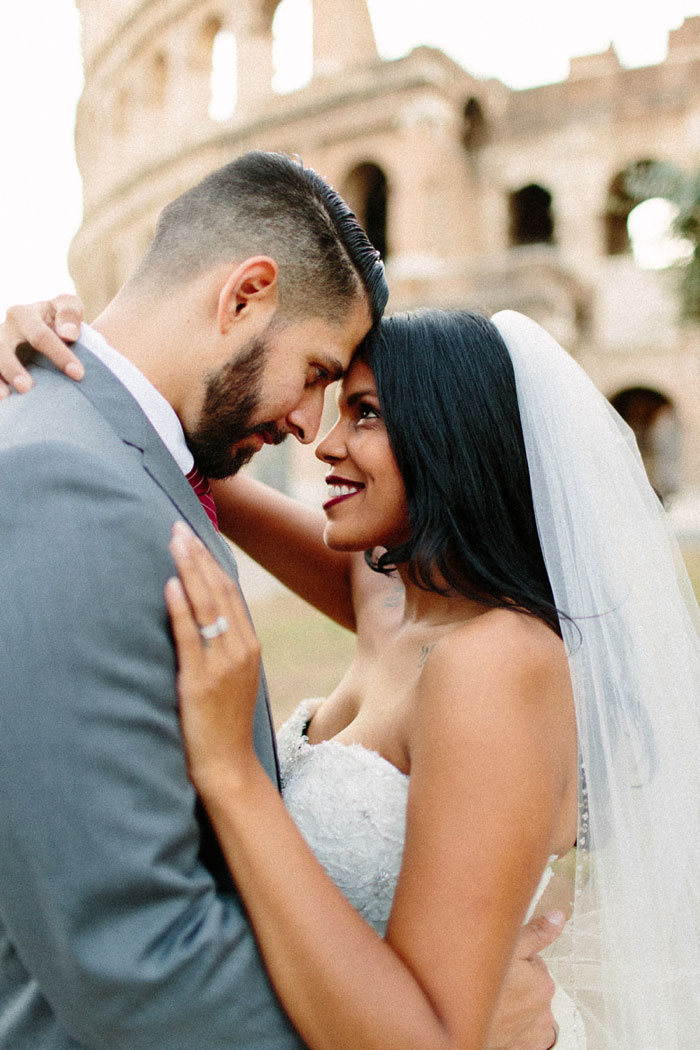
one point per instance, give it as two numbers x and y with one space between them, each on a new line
270 204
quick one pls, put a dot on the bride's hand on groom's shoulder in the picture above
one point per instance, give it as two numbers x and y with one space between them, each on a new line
218 664
45 327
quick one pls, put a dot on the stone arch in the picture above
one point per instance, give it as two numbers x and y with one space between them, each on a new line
267 9
474 133
291 29
531 219
654 421
223 75
639 181
367 192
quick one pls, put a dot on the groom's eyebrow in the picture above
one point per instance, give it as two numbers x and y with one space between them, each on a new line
334 368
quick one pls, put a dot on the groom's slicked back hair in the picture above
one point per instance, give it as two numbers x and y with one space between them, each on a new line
270 204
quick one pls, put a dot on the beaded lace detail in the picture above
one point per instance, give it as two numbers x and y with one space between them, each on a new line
350 805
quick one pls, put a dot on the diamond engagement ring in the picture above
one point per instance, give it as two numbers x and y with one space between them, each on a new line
213 630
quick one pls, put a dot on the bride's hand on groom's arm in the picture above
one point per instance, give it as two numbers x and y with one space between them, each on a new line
218 676
43 326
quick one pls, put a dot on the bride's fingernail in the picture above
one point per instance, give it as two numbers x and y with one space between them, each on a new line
74 370
173 587
180 539
556 918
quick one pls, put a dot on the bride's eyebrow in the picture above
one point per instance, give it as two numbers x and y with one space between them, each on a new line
359 395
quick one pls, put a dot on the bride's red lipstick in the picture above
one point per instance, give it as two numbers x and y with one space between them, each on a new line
339 484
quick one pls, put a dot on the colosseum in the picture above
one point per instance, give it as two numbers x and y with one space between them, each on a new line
476 194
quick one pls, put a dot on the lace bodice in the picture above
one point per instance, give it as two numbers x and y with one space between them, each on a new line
350 805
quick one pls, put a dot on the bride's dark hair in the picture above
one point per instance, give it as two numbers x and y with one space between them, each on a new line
447 392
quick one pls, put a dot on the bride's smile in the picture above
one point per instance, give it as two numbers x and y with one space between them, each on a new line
367 500
341 489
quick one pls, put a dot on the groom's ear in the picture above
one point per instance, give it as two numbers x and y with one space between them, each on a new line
251 291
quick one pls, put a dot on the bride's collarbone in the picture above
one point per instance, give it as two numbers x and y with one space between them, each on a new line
372 704
384 673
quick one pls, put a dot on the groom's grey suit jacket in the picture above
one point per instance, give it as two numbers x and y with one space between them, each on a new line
120 928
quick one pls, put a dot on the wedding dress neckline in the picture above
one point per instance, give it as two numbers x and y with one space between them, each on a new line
298 724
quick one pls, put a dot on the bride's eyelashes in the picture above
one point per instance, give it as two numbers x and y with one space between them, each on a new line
367 412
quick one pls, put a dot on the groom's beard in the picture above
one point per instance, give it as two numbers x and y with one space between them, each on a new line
231 400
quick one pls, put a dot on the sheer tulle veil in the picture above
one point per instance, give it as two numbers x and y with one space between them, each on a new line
631 955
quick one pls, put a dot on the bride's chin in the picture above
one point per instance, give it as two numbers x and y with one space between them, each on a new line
335 541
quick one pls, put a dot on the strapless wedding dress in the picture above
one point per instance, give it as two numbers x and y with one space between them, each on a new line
350 805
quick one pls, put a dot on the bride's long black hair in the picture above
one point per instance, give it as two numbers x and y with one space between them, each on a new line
447 392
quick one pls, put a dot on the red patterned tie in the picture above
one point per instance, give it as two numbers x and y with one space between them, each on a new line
203 490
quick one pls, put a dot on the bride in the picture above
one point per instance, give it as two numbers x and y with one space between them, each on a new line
526 678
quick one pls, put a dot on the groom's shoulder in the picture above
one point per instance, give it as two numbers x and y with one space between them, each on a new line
56 448
54 413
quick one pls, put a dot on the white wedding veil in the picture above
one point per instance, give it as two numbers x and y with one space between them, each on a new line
630 625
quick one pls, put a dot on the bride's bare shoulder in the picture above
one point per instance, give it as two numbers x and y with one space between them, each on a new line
503 635
501 656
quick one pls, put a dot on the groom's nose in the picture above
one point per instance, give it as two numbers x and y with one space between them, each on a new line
305 418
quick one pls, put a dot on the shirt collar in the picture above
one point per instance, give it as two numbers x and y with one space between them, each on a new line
159 412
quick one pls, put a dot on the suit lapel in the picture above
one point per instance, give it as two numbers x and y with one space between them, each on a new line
126 417
161 466
129 421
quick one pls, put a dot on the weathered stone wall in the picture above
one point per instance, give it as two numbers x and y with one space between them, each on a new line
451 151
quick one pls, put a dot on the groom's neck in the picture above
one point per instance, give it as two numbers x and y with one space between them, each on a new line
155 335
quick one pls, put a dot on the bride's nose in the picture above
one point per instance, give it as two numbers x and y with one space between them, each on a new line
331 448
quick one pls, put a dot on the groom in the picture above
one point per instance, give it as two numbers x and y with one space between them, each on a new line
120 928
